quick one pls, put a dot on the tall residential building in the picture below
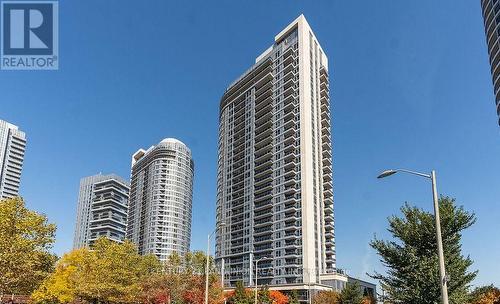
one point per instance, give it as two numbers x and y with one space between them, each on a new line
492 30
12 147
102 209
160 205
274 182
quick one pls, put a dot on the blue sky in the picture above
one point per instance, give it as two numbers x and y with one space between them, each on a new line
411 88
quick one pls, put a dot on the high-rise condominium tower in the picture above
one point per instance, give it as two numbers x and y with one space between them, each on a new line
491 9
12 147
160 202
274 182
102 209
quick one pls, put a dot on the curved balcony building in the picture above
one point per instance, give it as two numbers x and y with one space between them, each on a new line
491 15
160 203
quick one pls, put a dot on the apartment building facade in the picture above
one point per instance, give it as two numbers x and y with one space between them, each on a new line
274 181
12 149
102 209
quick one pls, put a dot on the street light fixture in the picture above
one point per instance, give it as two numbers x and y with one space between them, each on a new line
208 259
442 271
257 273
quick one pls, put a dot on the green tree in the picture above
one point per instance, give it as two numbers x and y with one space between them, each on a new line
351 294
26 238
241 296
263 296
173 263
195 262
412 260
109 273
293 298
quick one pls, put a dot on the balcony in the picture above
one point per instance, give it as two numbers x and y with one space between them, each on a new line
289 98
292 217
289 91
290 82
261 165
262 188
263 95
323 77
290 190
290 164
292 262
290 198
263 142
325 106
326 146
327 152
328 193
263 117
324 93
265 168
262 195
265 205
290 58
289 68
325 115
291 236
263 179
265 87
262 240
291 253
291 226
328 209
290 181
327 184
290 74
290 115
264 223
291 131
324 86
263 102
242 83
265 156
263 80
264 127
289 51
262 231
325 134
290 139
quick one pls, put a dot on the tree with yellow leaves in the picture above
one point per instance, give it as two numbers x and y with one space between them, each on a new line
26 238
109 273
326 297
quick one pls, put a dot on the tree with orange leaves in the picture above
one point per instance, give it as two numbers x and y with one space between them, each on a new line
368 300
278 297
326 297
195 293
485 295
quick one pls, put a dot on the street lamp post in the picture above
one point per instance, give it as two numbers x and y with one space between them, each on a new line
208 260
442 271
